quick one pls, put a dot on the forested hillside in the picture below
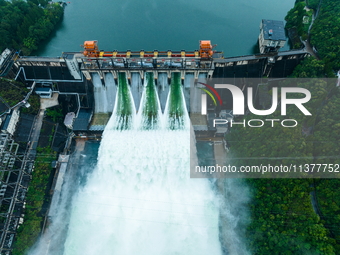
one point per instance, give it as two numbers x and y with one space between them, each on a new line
283 219
24 24
323 35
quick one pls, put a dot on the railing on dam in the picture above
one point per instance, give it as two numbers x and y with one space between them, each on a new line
145 64
73 66
255 57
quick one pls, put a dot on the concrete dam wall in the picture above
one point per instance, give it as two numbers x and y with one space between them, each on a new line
92 82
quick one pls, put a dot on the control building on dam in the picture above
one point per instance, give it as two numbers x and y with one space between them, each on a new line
88 79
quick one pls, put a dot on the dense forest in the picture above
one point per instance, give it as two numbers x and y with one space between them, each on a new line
299 19
25 24
323 35
284 218
327 191
283 221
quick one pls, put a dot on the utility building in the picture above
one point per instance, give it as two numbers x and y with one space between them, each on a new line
10 122
272 36
44 92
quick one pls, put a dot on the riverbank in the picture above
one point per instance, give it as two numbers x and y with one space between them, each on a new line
26 24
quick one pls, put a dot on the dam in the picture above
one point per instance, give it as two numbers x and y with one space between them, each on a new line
91 77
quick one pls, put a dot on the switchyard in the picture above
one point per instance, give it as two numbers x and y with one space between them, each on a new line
15 172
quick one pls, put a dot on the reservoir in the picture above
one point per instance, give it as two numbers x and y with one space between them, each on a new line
164 25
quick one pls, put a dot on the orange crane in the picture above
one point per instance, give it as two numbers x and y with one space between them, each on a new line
90 49
206 49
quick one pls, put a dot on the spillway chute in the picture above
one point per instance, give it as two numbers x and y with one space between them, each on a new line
101 104
175 107
150 113
124 110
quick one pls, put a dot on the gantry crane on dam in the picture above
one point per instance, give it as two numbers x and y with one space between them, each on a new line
94 60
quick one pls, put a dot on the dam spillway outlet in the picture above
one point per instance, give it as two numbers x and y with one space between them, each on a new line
153 97
141 186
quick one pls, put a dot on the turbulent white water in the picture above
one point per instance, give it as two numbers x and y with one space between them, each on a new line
163 89
100 98
110 91
195 95
136 85
140 199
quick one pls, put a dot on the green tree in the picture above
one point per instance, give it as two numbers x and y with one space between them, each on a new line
56 114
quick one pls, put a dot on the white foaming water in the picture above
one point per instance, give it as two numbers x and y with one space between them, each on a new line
110 91
100 98
195 95
141 200
136 88
163 89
